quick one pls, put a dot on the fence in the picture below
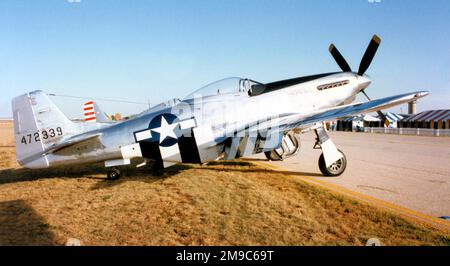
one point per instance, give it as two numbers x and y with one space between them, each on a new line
409 131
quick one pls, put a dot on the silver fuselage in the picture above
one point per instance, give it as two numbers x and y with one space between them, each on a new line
222 113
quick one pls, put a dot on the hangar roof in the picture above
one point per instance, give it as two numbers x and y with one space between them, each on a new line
431 115
393 117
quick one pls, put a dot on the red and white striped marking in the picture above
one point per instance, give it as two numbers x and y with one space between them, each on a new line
89 112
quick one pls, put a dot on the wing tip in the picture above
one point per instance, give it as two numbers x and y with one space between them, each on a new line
421 94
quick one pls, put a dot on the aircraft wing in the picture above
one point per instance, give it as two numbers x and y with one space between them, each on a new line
290 121
286 122
297 120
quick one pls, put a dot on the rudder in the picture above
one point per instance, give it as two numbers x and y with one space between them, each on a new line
38 124
93 113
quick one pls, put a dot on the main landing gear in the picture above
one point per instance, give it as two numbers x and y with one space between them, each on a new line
332 162
336 169
290 145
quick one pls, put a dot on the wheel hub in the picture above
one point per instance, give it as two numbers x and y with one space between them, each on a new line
336 166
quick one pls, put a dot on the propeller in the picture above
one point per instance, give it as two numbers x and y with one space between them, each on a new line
363 65
369 54
339 58
380 114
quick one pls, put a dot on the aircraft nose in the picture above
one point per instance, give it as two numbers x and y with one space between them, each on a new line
363 82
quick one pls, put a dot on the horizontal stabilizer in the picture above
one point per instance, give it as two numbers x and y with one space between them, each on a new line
71 141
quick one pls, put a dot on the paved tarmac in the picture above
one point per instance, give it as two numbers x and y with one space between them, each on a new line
409 171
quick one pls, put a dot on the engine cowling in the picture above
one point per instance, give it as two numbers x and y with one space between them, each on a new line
290 145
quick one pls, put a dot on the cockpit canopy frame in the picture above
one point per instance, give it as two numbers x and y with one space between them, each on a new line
227 86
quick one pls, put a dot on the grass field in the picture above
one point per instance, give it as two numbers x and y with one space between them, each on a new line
234 203
6 133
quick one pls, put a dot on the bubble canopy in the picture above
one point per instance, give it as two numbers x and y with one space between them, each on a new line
222 87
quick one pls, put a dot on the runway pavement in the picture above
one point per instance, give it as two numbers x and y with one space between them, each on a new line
412 172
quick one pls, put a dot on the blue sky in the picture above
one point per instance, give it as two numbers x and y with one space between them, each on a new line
150 51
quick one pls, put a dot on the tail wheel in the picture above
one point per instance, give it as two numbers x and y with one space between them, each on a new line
336 169
113 174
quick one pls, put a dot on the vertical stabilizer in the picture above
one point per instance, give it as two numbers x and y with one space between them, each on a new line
38 124
93 113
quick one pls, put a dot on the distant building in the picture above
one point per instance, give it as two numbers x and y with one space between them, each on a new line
412 107
357 123
434 119
116 117
393 119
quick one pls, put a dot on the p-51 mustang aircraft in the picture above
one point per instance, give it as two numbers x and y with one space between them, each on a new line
227 119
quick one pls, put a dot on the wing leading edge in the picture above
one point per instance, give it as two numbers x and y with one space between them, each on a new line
297 120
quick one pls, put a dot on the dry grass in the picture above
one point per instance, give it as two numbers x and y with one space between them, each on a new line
233 203
6 134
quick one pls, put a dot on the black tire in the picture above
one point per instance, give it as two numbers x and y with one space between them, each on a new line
273 156
113 174
334 170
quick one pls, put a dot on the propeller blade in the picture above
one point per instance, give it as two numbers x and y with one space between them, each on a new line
384 118
369 54
380 114
339 58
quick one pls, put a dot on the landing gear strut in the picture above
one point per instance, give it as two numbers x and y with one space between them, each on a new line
332 162
113 173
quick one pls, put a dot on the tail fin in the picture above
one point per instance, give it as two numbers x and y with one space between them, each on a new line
38 123
92 113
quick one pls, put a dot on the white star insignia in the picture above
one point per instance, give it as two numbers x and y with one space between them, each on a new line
166 130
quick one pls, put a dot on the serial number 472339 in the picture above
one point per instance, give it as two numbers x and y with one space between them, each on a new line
43 135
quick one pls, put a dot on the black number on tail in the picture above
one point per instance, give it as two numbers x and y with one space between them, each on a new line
36 137
51 133
44 134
